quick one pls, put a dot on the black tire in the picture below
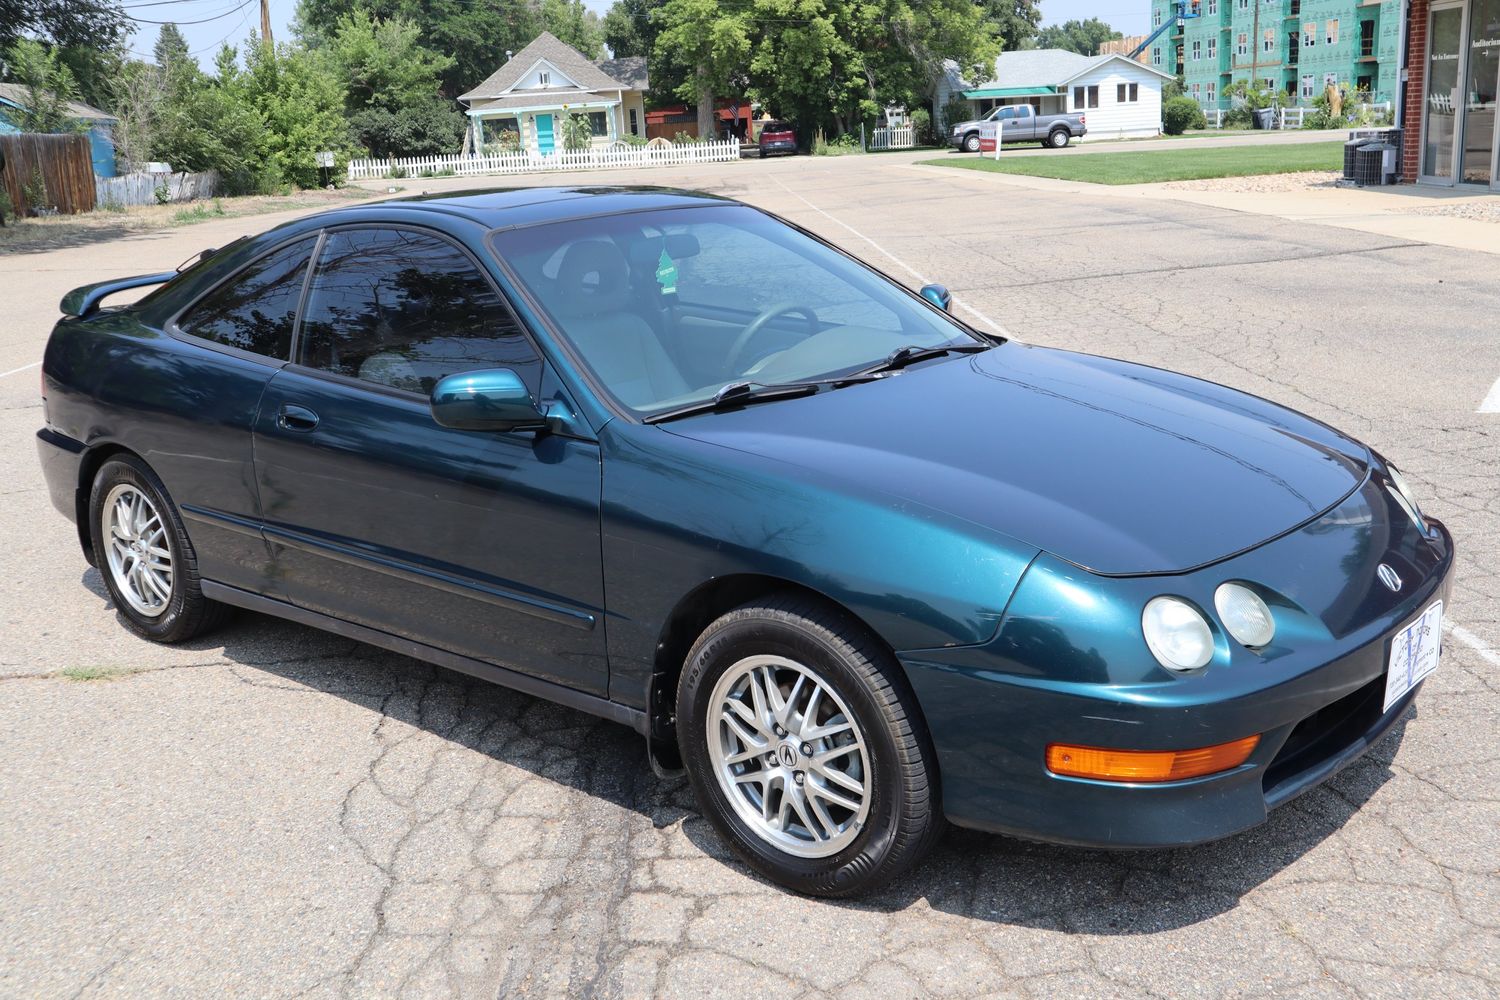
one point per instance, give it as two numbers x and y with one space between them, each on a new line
187 613
971 142
1058 138
903 820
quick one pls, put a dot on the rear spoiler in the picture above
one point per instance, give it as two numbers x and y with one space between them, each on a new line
81 302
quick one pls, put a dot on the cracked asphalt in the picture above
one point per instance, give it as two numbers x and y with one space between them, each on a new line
274 812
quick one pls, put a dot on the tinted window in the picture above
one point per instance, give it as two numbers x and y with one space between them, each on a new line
404 309
255 310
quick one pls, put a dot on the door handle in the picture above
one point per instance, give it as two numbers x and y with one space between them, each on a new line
292 417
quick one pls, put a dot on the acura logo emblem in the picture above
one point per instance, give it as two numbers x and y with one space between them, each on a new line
787 754
1388 577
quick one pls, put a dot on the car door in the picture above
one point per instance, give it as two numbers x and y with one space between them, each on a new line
201 400
482 543
1025 123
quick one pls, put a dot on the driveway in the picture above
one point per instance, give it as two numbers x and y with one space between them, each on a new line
273 811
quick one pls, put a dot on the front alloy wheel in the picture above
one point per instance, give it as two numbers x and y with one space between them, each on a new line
789 757
805 749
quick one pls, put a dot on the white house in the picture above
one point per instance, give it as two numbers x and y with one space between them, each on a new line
529 96
1120 97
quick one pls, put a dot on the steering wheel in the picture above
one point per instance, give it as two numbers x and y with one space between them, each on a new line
759 323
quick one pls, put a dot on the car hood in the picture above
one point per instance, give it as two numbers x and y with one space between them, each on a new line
1118 468
968 125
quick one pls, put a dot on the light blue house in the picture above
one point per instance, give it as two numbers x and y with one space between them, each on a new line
100 125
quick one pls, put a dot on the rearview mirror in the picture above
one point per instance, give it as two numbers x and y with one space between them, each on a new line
492 400
938 295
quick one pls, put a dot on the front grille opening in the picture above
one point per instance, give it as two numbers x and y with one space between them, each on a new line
1326 732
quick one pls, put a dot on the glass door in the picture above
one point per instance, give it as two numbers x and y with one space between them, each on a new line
1444 97
1480 82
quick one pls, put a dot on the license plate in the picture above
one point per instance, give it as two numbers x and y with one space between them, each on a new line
1414 653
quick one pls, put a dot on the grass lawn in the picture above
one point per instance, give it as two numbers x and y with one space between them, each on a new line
1184 164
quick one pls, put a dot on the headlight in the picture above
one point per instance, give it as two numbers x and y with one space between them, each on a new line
1178 635
1245 615
1402 492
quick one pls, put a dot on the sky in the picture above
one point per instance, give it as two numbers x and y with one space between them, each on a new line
232 20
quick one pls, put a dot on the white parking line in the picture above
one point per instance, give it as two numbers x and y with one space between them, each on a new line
996 327
1491 402
1475 643
23 368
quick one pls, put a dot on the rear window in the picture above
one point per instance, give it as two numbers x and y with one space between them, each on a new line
776 127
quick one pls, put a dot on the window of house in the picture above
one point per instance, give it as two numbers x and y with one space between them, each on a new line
1367 38
598 123
1085 97
1156 18
1156 56
1197 51
1310 34
1127 93
1307 85
1212 99
257 308
1244 4
635 128
544 79
1243 48
1198 92
1268 41
1213 48
1333 31
403 309
1269 83
1213 7
1330 79
1364 84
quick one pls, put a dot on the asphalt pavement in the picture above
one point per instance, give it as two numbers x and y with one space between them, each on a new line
273 811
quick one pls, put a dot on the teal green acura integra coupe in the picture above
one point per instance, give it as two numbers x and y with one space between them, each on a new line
854 565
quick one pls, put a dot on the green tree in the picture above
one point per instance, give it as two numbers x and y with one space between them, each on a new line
49 87
207 123
713 41
88 36
629 29
393 83
171 50
1083 37
297 95
475 33
1014 21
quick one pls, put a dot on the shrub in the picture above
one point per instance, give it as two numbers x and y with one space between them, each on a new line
34 191
1180 114
427 172
396 173
956 110
1238 117
162 193
921 124
6 208
682 138
577 133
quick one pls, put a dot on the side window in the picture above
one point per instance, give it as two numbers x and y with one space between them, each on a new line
256 309
404 309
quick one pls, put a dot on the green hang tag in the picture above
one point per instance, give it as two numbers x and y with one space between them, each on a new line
666 274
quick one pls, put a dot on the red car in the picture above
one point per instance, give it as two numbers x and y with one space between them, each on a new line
777 137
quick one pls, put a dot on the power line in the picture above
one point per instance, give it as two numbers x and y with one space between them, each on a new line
202 20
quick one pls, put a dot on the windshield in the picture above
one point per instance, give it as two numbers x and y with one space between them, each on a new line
668 307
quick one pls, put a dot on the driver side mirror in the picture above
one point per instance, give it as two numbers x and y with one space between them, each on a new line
492 400
938 295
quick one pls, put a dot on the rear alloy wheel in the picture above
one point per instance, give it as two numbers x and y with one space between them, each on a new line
971 142
1059 138
805 750
143 553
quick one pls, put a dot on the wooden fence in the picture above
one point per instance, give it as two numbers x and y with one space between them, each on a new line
63 164
140 188
526 163
894 137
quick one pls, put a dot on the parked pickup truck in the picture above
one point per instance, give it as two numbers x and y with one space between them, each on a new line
1021 124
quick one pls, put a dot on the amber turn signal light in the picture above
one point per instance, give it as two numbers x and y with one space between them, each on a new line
1147 765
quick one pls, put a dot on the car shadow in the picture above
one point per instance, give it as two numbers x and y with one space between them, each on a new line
980 876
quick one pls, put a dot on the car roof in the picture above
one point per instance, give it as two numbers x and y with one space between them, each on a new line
523 206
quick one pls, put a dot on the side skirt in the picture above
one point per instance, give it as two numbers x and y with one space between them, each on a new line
602 707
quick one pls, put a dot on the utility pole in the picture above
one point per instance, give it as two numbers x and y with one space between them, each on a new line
265 22
1254 43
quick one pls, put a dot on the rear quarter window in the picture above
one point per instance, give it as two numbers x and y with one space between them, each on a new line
256 309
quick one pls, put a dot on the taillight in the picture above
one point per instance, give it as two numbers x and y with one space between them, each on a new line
1083 119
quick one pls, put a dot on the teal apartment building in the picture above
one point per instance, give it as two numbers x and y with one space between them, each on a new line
1294 47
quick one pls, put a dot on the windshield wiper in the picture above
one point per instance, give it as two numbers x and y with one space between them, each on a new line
911 354
737 394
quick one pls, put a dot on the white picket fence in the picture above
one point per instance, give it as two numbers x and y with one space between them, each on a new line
894 137
140 188
526 163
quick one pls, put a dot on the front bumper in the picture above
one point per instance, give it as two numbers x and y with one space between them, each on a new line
992 711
